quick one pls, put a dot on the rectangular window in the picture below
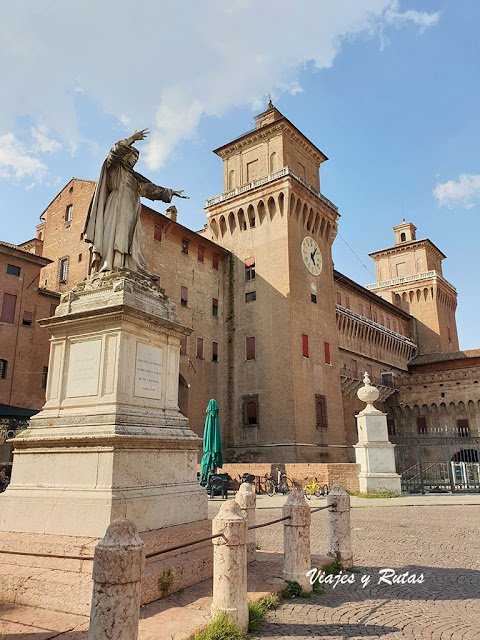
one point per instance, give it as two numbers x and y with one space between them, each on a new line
13 270
63 270
3 369
354 366
250 269
381 320
214 307
250 348
369 370
183 346
395 326
449 335
375 316
184 297
313 298
27 318
80 256
305 345
201 253
185 246
326 348
388 323
69 213
367 313
157 234
347 302
360 309
44 378
339 298
52 309
422 425
463 428
387 379
8 308
250 411
200 348
215 261
320 411
214 351
250 296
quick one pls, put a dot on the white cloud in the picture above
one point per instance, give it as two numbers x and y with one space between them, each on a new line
16 162
42 143
463 193
183 61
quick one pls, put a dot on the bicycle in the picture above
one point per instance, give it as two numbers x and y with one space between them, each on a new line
314 489
283 484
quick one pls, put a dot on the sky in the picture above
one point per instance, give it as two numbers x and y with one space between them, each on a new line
387 89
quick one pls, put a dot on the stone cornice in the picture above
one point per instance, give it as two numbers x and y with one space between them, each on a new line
407 247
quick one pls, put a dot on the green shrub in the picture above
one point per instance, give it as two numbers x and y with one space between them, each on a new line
221 628
333 568
294 590
257 609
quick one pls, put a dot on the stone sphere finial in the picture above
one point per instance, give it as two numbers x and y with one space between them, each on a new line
368 394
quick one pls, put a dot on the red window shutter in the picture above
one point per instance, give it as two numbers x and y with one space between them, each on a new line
201 253
27 317
215 303
449 335
354 366
360 309
249 262
183 346
250 343
388 323
158 233
395 325
8 308
339 298
347 302
367 313
199 347
305 345
251 412
52 309
381 320
184 296
374 316
369 370
215 261
319 414
215 351
327 352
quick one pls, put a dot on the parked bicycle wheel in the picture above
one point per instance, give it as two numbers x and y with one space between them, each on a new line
325 490
270 488
306 493
284 487
318 492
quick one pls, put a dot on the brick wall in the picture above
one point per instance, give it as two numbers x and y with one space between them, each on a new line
326 473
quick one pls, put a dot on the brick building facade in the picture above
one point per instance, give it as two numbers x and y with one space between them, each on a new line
281 339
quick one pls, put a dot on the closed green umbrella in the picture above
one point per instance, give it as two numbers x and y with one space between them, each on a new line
212 442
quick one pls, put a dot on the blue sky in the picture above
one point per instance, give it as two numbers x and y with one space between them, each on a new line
389 90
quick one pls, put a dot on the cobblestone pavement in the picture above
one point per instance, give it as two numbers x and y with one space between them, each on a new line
442 542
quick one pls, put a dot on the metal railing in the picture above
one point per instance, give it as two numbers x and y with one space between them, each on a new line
413 278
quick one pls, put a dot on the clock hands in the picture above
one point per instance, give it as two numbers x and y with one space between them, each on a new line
312 255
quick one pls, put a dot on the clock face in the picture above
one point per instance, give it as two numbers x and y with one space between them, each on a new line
311 256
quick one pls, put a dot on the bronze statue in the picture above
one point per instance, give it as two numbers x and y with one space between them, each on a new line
113 224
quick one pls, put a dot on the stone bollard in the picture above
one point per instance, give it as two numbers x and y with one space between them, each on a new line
339 530
247 501
296 539
230 564
117 573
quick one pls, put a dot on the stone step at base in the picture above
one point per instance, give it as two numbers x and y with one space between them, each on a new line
66 585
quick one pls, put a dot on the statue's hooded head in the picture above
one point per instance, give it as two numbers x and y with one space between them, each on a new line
132 157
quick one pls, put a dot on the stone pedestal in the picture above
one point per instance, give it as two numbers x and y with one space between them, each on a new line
374 452
110 441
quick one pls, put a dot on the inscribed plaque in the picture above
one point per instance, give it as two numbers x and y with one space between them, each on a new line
83 368
148 371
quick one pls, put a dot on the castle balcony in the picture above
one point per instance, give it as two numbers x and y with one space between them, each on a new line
426 275
351 382
270 177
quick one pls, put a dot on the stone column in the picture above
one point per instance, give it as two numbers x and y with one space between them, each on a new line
339 529
117 573
247 501
374 452
230 564
296 539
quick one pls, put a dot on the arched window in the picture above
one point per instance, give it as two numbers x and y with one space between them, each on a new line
403 237
231 180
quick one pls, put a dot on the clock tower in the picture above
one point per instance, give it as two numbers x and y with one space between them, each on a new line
283 378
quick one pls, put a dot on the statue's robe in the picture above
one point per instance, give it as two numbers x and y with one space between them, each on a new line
113 221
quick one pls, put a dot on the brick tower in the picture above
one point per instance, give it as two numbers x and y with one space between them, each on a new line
283 374
409 274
